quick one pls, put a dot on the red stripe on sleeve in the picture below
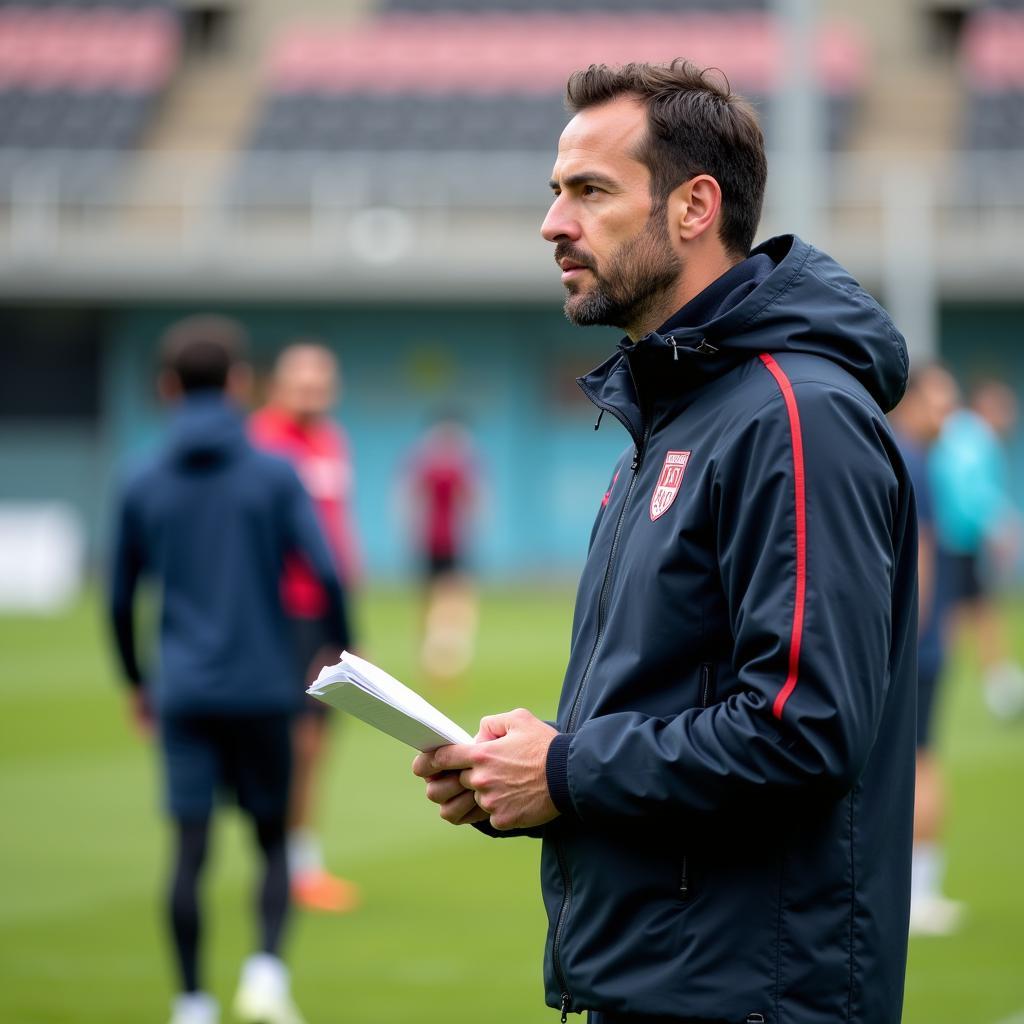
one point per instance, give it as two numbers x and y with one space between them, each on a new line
801 531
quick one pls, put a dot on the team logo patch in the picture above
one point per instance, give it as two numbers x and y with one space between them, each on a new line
668 483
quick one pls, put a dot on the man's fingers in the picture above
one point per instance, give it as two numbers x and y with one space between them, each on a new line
493 727
442 788
475 815
454 756
460 809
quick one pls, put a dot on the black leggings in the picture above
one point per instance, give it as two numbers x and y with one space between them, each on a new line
271 897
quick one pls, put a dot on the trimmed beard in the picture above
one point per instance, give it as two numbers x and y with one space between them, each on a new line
638 273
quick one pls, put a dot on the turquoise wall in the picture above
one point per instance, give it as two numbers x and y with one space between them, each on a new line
66 463
509 369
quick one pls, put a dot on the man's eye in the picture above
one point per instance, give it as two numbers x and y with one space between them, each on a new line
590 190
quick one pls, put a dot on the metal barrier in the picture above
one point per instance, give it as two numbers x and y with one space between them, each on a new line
405 224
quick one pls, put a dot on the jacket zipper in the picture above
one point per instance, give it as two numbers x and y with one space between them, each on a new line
602 604
707 684
638 455
559 925
707 687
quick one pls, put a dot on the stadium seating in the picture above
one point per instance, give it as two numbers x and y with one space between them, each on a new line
493 82
80 75
43 5
574 6
993 63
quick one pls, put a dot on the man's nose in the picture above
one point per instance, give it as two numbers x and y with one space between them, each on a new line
558 225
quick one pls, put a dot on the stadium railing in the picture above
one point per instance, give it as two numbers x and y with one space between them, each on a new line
93 224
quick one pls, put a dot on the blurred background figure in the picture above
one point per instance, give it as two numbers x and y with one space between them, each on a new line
296 424
210 521
440 491
978 533
931 396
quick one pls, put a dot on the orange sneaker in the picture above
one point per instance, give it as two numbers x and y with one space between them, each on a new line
320 890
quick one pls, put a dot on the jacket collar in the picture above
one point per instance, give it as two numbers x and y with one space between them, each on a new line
676 358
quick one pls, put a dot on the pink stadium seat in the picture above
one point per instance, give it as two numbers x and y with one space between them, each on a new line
72 48
992 56
532 54
493 79
81 76
993 50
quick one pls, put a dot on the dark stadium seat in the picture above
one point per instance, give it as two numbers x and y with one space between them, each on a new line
128 5
444 81
83 75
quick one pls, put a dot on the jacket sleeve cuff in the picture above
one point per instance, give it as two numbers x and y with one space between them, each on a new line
557 769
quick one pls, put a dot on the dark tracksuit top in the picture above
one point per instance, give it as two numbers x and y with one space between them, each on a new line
211 519
736 753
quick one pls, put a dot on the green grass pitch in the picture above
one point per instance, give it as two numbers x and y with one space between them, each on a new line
451 929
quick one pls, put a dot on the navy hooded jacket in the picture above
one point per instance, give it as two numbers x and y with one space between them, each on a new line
736 753
210 519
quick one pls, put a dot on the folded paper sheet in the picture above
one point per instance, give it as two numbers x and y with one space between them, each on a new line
369 693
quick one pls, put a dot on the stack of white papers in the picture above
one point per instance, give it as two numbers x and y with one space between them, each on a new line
369 693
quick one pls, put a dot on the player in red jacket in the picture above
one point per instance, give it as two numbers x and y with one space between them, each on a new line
442 492
296 424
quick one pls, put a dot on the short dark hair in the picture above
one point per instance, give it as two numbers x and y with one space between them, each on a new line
696 125
200 351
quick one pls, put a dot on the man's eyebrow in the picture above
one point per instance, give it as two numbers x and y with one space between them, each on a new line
584 178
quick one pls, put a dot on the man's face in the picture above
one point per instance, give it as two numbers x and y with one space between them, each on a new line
997 405
938 399
611 242
305 384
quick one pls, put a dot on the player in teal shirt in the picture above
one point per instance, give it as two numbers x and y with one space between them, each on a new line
977 530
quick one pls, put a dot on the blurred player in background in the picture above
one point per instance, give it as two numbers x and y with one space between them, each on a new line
210 521
978 531
297 425
931 396
441 485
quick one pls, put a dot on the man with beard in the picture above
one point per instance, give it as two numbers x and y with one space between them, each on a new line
726 798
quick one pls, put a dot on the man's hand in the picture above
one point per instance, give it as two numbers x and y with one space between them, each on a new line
458 804
502 776
141 713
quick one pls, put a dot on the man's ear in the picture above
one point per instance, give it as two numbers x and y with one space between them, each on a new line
168 386
696 205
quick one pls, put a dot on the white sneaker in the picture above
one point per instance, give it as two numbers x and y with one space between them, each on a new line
1004 690
195 1008
935 915
264 995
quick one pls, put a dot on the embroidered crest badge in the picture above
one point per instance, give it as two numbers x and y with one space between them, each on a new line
668 483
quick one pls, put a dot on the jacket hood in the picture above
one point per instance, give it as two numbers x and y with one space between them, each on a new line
207 429
806 303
